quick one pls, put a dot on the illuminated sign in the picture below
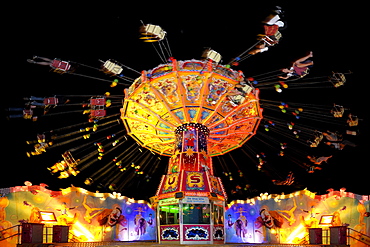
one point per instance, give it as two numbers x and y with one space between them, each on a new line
168 195
189 193
195 200
168 201
194 181
170 183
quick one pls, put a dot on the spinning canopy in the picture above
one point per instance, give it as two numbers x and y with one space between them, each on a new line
192 91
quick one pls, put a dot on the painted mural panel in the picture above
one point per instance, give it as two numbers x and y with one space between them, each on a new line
110 216
90 216
196 233
286 218
170 233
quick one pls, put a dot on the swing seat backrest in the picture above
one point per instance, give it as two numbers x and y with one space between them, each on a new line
271 30
51 101
111 68
97 102
59 65
98 113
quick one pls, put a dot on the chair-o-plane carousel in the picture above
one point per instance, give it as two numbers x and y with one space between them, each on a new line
191 110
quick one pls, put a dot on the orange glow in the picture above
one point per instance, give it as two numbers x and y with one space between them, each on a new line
296 235
80 231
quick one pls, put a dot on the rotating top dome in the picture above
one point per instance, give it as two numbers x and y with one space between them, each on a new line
191 91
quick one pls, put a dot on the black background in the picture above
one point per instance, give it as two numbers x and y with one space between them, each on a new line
85 33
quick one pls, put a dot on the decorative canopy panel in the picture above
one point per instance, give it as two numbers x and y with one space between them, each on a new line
191 91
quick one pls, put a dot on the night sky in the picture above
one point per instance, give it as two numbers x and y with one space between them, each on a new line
86 35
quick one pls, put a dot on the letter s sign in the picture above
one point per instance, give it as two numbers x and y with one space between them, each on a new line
194 179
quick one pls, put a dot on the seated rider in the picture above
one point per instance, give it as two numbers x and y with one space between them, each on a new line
271 36
57 64
300 67
318 160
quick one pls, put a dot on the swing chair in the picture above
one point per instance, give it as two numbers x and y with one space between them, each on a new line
152 33
60 66
338 79
51 101
337 111
112 68
211 55
97 104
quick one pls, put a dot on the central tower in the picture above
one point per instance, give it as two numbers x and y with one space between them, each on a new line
191 199
190 111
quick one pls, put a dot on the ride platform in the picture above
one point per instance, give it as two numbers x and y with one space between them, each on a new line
156 244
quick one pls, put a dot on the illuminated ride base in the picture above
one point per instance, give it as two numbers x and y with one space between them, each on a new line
191 110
